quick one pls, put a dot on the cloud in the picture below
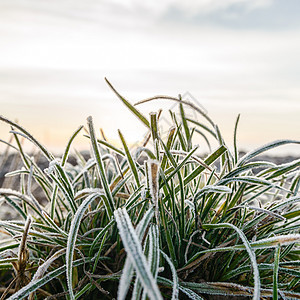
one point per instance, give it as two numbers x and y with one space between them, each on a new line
190 8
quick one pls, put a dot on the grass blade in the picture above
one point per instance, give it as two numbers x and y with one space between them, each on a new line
72 239
135 253
48 155
130 160
174 276
130 106
264 148
109 201
275 273
127 272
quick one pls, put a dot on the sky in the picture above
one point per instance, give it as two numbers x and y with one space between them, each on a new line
232 56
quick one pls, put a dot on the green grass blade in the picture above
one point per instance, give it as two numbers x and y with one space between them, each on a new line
109 201
29 136
185 125
190 293
174 276
208 161
99 251
168 145
72 239
67 149
127 272
135 253
154 249
182 163
249 166
130 106
130 160
275 273
235 139
154 126
264 148
15 206
110 146
212 189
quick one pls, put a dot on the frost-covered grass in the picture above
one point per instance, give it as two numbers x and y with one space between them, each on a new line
156 221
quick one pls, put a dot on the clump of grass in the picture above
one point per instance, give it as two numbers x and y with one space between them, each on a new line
169 226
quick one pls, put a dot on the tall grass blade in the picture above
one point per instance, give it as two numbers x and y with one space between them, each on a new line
174 276
275 273
109 201
131 163
236 153
135 253
127 272
67 149
72 239
130 106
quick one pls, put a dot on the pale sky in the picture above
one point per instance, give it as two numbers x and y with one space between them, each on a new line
233 56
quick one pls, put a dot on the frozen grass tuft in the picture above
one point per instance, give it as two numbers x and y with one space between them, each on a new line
156 222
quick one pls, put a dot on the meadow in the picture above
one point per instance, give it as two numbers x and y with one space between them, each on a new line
154 222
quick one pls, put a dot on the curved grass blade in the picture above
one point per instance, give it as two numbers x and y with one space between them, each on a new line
63 162
249 166
22 197
72 239
15 206
230 289
202 126
127 272
135 253
44 267
264 148
263 211
174 276
260 244
29 136
212 189
251 253
185 102
190 293
67 149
